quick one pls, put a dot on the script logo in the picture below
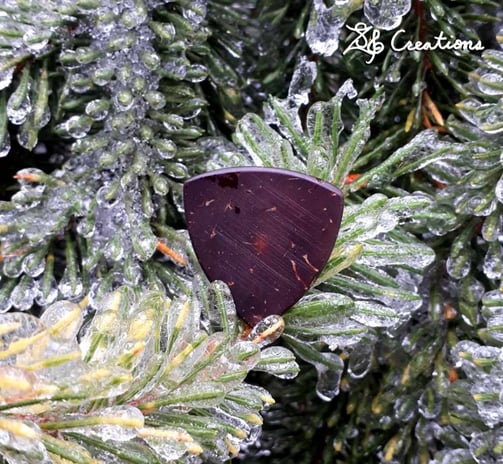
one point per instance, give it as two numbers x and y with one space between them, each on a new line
369 45
368 41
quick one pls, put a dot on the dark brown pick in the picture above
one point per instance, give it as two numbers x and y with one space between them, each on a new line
266 232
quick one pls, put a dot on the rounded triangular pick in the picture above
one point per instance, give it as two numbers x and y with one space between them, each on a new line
266 232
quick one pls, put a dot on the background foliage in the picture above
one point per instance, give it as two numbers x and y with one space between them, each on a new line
115 347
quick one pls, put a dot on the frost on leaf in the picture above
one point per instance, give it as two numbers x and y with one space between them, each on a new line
142 376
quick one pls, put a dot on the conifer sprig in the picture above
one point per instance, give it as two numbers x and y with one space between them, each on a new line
143 381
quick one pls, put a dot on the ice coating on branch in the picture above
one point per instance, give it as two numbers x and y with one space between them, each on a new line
485 447
22 439
494 59
378 215
452 455
492 312
278 361
196 13
4 143
284 114
140 353
23 294
171 445
34 263
71 315
19 104
117 423
77 126
33 30
430 403
382 254
267 331
488 80
386 14
472 357
498 190
325 24
5 75
487 394
373 314
490 83
131 140
492 264
221 153
267 147
302 80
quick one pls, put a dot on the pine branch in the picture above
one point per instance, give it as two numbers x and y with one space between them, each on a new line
131 100
142 382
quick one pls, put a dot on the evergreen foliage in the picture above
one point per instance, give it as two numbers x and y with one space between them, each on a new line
116 348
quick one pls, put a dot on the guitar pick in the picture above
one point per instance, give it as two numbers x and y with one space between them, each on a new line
266 232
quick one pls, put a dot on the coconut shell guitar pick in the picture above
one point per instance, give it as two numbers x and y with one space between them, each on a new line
266 232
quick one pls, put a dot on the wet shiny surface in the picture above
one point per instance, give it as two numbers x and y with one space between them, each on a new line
266 232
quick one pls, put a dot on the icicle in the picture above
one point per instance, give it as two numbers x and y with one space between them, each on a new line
325 24
329 376
360 359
